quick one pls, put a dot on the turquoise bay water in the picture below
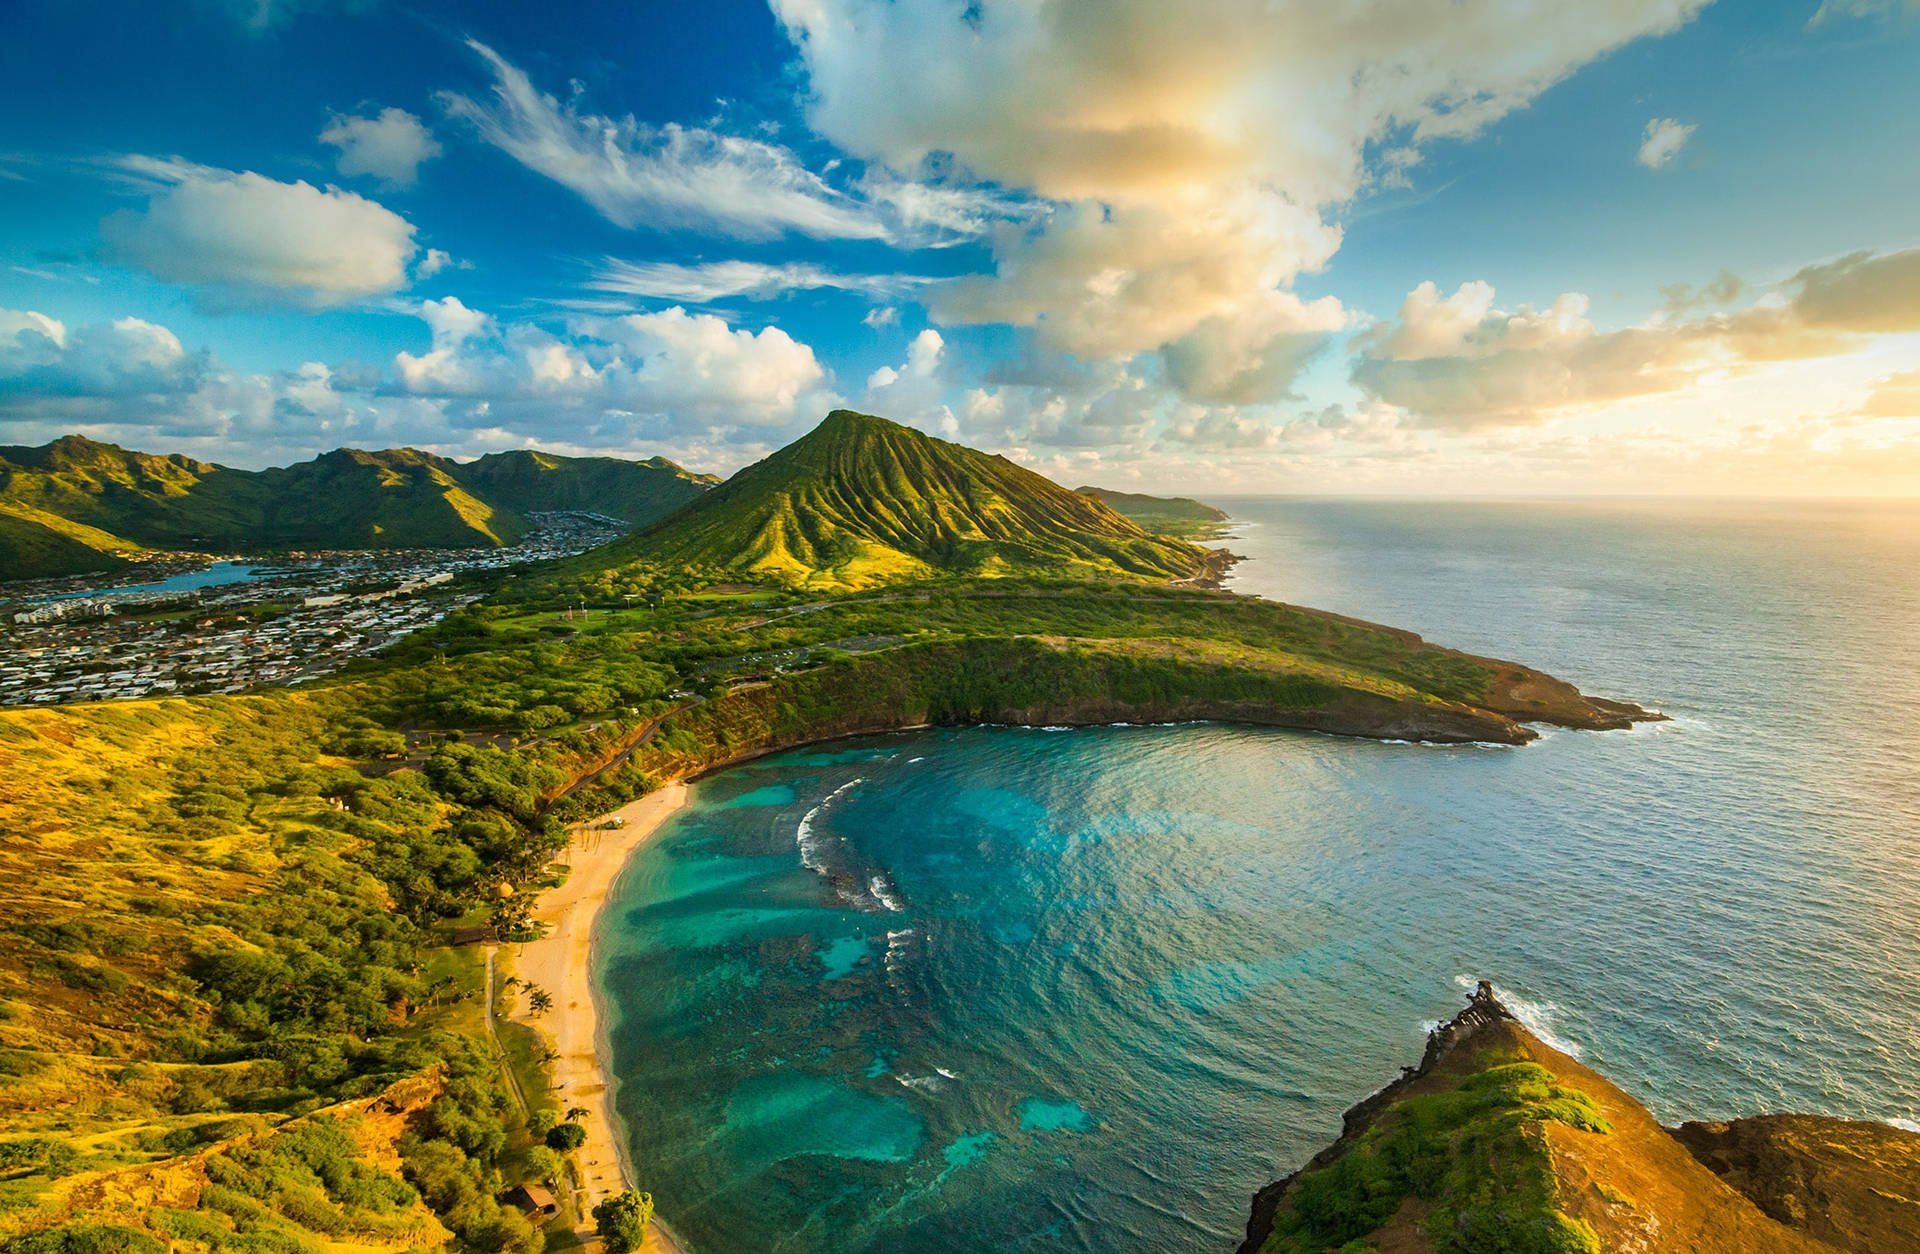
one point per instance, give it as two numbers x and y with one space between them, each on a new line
1014 989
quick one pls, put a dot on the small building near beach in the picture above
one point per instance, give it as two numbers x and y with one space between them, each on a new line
530 1200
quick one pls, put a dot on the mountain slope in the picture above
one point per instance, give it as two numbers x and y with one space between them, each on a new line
1179 516
1500 1142
861 501
395 498
71 505
639 492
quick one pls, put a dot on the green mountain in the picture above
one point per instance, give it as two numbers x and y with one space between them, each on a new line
861 501
639 492
1164 515
1497 1141
76 505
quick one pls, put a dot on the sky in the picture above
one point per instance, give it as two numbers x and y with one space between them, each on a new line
1450 247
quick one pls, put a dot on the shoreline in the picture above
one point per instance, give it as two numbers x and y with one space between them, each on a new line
561 962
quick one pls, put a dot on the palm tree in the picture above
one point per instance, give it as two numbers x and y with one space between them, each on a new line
576 1113
539 999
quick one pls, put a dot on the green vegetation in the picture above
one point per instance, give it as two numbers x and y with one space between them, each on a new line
622 1220
73 505
861 501
224 986
1474 1155
639 492
1178 516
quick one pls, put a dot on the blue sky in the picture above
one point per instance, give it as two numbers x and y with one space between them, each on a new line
1672 245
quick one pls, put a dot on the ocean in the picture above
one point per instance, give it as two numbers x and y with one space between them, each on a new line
1010 989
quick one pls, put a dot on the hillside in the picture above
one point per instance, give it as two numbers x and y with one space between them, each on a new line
639 492
1500 1142
1179 516
861 501
74 505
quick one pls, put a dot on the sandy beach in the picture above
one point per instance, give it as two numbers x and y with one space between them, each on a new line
561 963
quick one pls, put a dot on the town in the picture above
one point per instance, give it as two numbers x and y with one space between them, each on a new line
278 621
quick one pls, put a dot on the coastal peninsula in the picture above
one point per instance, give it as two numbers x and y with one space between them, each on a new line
315 873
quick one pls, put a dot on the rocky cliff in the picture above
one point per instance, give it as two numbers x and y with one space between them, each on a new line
1498 1142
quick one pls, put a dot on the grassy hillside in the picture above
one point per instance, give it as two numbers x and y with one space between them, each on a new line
861 501
640 492
1163 515
1499 1142
36 543
398 498
72 505
229 1015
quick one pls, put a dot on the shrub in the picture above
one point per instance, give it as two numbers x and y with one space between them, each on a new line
621 1220
566 1137
86 1239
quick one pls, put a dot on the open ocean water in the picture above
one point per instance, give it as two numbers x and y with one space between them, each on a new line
1007 989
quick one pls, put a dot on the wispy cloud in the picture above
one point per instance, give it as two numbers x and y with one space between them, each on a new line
719 280
662 177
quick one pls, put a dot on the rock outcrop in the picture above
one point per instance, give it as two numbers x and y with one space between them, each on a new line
1498 1141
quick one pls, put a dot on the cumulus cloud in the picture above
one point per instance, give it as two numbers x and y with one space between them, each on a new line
685 384
680 370
912 391
390 147
1103 281
1253 356
718 280
1460 362
881 316
435 261
1662 141
1188 151
1060 402
248 239
661 177
129 357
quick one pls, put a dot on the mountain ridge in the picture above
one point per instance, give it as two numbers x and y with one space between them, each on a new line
1179 516
75 505
861 501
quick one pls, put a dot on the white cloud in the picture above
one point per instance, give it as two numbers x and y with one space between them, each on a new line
435 261
884 316
129 357
682 371
912 391
684 384
1254 356
1462 363
390 146
717 280
1833 9
927 214
1662 141
661 177
1188 150
247 238
1100 280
